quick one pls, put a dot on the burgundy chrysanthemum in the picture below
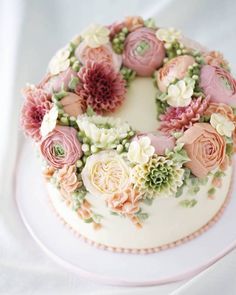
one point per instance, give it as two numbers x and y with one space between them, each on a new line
102 88
37 104
182 118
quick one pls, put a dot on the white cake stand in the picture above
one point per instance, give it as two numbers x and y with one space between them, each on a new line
112 268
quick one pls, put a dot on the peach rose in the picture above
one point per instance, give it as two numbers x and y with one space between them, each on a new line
68 181
215 58
176 68
125 202
220 108
205 148
143 52
133 22
73 104
101 54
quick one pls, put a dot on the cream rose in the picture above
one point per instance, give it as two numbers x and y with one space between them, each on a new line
205 148
105 174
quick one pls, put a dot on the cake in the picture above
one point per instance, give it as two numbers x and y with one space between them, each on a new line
135 130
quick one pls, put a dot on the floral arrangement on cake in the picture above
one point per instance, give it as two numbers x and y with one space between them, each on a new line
87 151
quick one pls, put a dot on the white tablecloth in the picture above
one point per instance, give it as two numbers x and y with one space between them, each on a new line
31 31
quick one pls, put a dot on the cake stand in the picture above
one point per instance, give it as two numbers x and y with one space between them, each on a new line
63 246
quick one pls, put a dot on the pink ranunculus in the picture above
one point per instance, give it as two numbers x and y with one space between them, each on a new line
205 148
143 52
176 68
159 141
73 104
219 84
58 82
61 147
101 54
37 104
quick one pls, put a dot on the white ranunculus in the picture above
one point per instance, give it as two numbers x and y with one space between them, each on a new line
140 150
60 62
49 121
168 35
222 124
180 93
96 35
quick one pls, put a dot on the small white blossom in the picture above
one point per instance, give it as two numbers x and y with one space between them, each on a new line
180 93
168 35
49 121
60 62
96 35
222 124
140 150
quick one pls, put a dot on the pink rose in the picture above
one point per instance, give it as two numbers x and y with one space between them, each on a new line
176 68
143 52
59 82
102 54
73 104
61 147
205 148
159 141
219 84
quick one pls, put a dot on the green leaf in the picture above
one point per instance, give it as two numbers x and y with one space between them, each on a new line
188 203
73 82
147 201
211 191
90 112
89 220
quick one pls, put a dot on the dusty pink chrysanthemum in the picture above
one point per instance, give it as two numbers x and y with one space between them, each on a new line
37 104
182 118
101 87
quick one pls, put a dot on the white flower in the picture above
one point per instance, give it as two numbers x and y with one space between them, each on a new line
222 124
140 150
103 132
60 62
180 93
49 121
105 174
96 35
168 35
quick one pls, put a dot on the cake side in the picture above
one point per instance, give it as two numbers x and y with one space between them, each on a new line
170 220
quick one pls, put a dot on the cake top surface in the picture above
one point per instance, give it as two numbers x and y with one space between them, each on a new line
130 112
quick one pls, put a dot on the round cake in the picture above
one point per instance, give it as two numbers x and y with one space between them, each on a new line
135 127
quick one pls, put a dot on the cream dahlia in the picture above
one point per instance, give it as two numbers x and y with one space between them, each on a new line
101 87
37 104
182 118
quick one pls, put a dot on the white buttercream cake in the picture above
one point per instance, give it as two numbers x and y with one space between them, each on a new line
135 125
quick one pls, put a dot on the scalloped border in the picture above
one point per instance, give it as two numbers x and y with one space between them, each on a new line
152 250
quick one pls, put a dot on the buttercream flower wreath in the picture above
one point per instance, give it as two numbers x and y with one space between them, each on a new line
86 150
